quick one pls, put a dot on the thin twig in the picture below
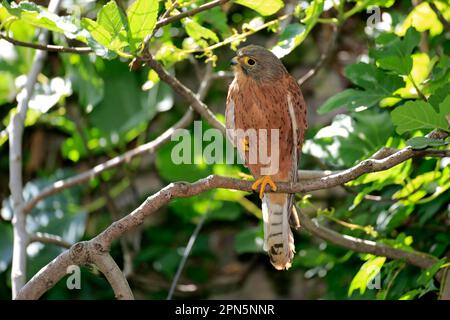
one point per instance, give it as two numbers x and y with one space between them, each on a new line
190 13
46 47
186 253
324 57
439 14
185 92
49 239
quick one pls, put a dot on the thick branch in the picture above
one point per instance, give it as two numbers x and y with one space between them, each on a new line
106 264
50 274
82 253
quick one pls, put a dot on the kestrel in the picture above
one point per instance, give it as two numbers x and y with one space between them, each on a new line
263 95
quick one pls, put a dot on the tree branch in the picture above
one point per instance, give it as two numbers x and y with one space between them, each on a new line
46 47
15 129
415 258
185 92
49 239
439 15
149 147
106 264
186 253
50 274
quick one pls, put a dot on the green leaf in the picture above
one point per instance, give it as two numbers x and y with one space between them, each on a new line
427 275
85 80
294 34
142 16
414 115
415 184
349 139
263 7
199 33
312 257
422 66
370 78
6 87
376 83
366 273
424 142
39 17
98 32
249 241
423 18
440 76
439 96
110 28
112 18
411 294
396 55
290 38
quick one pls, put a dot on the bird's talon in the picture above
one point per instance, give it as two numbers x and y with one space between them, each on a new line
245 144
263 182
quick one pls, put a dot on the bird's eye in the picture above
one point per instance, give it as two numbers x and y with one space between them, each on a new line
249 61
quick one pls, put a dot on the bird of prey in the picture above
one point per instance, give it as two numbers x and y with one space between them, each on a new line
265 98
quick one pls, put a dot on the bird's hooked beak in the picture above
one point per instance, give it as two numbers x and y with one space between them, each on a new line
234 62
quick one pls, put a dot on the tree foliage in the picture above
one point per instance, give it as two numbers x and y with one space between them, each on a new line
391 90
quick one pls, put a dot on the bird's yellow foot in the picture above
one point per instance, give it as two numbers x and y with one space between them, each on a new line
264 181
245 144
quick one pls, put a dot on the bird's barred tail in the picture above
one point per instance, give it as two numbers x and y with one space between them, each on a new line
278 237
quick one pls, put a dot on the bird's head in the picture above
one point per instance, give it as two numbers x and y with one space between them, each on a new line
258 63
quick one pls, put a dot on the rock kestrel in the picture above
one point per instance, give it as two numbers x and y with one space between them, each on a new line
264 98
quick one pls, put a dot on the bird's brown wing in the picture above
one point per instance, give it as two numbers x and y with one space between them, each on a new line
300 109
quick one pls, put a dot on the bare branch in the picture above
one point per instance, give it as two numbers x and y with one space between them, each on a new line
46 47
82 253
49 239
47 277
50 274
186 253
15 130
415 258
185 92
106 264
